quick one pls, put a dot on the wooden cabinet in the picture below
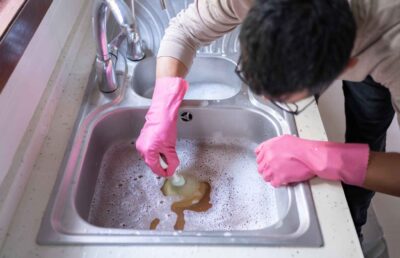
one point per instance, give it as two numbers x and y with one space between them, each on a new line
19 20
8 10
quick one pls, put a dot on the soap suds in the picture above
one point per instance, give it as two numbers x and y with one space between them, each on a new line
128 195
205 91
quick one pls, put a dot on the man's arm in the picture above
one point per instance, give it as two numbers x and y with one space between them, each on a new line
201 23
170 67
383 174
288 159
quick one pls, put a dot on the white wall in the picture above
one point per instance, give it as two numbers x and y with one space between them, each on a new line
387 208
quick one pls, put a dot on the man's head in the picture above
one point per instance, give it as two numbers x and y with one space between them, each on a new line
292 47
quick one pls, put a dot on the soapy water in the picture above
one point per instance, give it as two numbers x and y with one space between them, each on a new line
205 91
127 193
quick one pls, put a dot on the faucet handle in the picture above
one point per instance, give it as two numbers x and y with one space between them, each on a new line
135 50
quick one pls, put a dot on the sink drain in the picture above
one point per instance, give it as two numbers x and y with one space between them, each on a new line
186 116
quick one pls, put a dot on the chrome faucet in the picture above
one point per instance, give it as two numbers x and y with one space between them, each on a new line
105 72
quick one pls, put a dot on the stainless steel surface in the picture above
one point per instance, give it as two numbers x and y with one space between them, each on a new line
104 192
105 71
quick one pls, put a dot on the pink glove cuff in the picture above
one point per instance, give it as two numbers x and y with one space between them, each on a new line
175 86
348 162
168 95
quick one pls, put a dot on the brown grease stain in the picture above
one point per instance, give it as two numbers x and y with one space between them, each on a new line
187 204
197 200
154 223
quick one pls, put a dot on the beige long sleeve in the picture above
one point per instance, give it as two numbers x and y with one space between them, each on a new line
201 23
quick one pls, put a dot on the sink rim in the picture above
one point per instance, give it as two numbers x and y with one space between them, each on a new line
52 232
86 130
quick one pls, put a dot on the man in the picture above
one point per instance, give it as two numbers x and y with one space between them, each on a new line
292 49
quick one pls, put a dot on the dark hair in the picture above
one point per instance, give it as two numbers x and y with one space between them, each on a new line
294 45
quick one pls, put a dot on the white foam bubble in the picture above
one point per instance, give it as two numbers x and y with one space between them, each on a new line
210 91
128 194
205 91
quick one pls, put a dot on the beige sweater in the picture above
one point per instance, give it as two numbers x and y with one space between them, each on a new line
377 45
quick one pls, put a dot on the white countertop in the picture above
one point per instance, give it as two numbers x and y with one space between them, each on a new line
339 236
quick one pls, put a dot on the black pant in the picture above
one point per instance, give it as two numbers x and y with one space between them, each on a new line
369 113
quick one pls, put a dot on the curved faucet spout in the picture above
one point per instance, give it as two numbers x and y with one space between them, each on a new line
104 65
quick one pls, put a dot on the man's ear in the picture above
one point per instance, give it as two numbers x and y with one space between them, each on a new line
352 62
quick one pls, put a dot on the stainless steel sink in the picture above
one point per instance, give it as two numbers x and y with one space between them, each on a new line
207 78
219 151
106 195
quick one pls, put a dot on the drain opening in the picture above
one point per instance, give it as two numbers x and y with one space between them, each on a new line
186 116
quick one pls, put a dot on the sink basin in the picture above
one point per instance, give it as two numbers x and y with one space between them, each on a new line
105 194
219 152
207 78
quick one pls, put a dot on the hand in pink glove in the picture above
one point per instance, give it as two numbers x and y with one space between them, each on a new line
158 135
289 159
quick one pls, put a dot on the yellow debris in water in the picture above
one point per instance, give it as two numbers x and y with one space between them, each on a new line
191 190
194 196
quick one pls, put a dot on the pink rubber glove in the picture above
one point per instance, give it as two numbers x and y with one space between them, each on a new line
158 135
289 159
